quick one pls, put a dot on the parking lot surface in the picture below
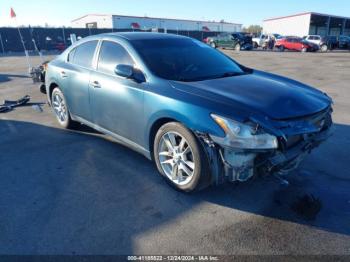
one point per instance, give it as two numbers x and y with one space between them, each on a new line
78 192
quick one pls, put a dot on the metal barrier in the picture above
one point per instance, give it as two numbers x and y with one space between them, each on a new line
59 38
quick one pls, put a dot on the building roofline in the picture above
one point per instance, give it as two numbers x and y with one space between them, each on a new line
305 13
81 17
162 18
287 16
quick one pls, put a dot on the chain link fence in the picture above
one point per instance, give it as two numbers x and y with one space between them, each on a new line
50 39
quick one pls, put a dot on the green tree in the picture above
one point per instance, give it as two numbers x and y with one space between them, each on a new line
253 29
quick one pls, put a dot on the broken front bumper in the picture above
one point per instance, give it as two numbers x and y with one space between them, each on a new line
240 164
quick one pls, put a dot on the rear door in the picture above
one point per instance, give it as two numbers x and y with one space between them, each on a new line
76 77
222 40
289 43
298 45
233 39
117 102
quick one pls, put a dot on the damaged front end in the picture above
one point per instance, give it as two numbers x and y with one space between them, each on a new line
256 148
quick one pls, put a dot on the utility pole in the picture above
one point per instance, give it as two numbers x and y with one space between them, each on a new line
64 36
25 49
13 15
2 44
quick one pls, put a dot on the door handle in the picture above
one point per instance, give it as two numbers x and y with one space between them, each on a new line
63 74
96 84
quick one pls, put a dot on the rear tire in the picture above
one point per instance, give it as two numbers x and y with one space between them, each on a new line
61 110
183 163
238 47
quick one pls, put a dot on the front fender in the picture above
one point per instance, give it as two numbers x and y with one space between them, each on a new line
193 117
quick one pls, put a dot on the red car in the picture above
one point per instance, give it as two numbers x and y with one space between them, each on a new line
296 44
60 47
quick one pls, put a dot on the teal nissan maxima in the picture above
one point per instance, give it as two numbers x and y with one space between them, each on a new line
202 117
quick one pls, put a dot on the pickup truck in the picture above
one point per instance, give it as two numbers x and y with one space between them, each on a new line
263 39
238 41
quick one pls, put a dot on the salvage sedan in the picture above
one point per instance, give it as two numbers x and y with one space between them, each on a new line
202 117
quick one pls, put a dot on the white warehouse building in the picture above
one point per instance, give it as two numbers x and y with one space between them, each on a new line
307 24
147 23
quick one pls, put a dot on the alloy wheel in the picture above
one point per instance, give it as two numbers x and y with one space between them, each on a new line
59 107
176 158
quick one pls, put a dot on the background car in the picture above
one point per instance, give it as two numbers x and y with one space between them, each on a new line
263 38
328 43
238 41
316 39
344 42
295 44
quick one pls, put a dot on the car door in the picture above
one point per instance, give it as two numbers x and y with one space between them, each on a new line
117 102
262 40
317 40
310 38
343 42
222 39
298 45
75 78
289 43
232 40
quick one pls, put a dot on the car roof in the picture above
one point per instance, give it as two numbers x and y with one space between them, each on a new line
128 36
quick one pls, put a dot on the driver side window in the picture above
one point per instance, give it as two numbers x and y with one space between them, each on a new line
112 54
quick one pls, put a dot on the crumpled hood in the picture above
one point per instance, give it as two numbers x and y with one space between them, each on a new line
274 96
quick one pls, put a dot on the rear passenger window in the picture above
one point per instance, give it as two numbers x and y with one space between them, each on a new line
112 54
84 54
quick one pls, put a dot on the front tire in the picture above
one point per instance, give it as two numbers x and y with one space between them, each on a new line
60 109
180 158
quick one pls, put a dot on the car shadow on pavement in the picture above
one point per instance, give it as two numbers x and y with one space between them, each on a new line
7 77
68 192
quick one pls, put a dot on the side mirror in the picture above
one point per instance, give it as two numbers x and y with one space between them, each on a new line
124 70
130 72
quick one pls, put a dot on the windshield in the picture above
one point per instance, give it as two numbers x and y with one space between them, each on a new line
185 59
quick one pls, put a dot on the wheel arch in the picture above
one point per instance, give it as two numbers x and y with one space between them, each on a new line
52 86
160 119
154 129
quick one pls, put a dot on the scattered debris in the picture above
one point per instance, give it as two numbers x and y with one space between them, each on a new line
38 73
38 108
307 206
8 105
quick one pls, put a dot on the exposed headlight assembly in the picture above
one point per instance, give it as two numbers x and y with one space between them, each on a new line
242 136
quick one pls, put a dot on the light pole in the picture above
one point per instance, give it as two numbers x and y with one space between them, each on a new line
2 44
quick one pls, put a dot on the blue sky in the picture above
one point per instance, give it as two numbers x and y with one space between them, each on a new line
57 13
